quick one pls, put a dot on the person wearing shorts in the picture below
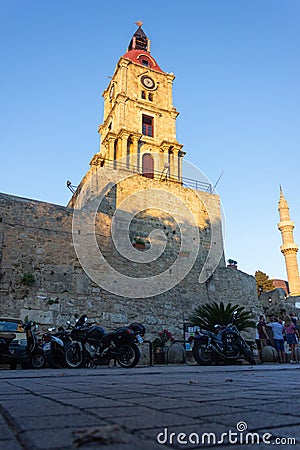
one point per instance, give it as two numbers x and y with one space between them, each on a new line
291 333
278 330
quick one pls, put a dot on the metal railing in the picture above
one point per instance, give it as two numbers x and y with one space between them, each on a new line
160 176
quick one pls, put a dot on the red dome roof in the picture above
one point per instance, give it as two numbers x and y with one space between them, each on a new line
143 58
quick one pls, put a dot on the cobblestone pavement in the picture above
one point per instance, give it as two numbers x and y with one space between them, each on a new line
150 408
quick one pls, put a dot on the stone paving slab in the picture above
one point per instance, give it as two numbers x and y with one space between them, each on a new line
151 419
5 433
10 445
118 409
108 413
58 421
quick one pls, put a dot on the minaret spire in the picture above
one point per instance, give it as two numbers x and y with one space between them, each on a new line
288 247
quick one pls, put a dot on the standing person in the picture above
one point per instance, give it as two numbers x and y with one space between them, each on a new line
294 319
291 333
262 335
278 330
257 341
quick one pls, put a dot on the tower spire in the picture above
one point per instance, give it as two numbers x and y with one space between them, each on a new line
139 40
288 248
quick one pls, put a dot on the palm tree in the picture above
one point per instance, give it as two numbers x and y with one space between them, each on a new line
211 314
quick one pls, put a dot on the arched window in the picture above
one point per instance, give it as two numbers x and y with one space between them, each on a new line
143 95
148 165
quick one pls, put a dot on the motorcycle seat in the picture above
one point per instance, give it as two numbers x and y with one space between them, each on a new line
7 335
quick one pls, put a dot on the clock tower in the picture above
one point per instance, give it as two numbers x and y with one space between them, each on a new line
139 123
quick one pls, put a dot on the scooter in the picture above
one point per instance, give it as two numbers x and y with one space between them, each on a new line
55 346
31 356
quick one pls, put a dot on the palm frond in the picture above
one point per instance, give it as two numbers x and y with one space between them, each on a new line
211 314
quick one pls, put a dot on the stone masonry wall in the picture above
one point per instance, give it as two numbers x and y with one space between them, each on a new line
36 238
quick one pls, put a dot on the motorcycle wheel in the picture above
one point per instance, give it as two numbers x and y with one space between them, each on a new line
37 361
248 354
129 356
202 356
74 356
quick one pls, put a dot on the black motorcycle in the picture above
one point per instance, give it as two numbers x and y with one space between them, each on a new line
226 344
55 344
30 355
93 346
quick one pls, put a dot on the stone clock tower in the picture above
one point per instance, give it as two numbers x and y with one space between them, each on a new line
139 122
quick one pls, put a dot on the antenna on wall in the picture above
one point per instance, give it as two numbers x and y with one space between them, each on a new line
71 187
218 179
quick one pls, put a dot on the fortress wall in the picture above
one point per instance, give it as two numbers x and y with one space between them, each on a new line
36 238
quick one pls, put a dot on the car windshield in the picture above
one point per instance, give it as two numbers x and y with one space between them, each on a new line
11 326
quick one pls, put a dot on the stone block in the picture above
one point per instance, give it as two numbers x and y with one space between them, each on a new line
38 316
269 354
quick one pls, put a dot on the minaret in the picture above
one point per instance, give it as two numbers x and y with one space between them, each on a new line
289 248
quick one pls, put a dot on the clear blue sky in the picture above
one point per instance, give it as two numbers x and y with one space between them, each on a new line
237 70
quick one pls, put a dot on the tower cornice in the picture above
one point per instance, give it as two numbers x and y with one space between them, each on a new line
289 248
286 225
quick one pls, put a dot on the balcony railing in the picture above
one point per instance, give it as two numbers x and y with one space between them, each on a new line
161 176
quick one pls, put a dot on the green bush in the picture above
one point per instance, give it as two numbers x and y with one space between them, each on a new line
211 314
28 279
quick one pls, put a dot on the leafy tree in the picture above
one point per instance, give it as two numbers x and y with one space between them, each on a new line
263 283
232 262
211 314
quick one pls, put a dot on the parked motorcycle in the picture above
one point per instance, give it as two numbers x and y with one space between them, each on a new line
55 346
30 355
226 344
93 346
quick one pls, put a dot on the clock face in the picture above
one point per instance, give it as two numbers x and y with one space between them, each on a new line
148 82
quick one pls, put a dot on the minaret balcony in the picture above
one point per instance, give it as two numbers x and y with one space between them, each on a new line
287 225
289 248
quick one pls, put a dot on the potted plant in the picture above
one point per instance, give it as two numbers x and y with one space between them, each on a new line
159 346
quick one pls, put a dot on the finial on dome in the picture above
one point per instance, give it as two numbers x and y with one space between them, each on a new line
139 23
